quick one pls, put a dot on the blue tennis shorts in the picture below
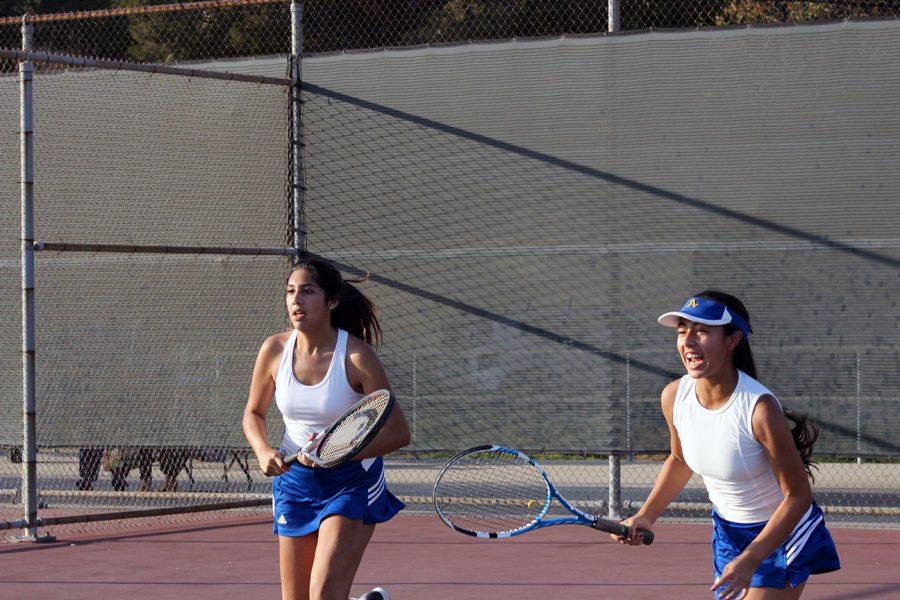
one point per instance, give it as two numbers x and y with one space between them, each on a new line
807 551
302 496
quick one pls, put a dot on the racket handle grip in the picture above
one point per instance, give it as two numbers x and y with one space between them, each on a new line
646 536
308 446
622 531
295 458
306 449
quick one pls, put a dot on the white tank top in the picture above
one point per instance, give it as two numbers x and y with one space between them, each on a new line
312 408
719 445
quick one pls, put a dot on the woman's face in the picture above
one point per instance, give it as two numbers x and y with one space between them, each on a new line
307 306
705 350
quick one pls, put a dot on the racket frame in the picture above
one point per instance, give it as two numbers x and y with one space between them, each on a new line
311 448
579 517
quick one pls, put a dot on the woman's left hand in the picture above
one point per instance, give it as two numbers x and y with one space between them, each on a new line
734 582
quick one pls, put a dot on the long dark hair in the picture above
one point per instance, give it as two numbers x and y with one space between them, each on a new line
354 313
804 431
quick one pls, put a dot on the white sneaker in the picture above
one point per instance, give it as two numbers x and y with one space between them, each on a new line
376 594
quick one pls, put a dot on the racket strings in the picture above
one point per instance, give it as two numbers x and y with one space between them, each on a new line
353 429
491 492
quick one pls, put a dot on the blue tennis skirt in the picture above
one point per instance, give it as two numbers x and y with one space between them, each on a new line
807 551
303 496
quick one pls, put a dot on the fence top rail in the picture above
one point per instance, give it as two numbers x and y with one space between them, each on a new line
62 59
134 10
145 249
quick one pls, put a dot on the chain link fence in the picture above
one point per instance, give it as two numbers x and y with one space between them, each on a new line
162 34
536 201
161 244
220 29
458 191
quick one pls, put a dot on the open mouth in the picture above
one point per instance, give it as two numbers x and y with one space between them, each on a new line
693 359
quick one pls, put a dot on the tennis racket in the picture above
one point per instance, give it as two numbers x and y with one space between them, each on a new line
498 492
350 432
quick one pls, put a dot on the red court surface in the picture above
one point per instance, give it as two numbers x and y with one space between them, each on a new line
416 558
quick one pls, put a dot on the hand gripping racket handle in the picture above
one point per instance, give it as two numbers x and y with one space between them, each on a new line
622 530
306 449
311 444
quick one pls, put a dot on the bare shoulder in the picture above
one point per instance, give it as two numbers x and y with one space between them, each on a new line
274 345
364 370
667 398
768 415
359 352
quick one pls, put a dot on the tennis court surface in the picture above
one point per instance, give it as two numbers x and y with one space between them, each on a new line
416 558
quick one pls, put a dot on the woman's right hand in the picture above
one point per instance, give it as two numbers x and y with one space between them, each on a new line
302 458
633 523
271 462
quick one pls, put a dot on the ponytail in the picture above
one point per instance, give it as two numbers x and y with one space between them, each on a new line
805 434
354 313
804 431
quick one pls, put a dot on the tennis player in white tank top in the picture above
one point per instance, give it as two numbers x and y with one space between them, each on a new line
324 518
769 536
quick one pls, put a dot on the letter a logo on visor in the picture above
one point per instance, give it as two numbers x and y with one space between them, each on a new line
708 312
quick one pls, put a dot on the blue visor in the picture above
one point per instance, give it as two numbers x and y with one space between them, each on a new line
708 312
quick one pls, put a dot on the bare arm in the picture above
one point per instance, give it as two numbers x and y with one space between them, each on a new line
366 372
771 429
262 389
672 478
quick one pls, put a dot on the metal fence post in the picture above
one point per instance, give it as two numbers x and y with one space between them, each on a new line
615 487
859 458
29 421
415 393
296 131
613 15
629 444
29 477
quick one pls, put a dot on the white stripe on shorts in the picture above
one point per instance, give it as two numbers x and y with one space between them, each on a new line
794 548
377 489
800 527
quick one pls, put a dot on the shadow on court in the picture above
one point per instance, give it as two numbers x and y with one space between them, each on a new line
416 558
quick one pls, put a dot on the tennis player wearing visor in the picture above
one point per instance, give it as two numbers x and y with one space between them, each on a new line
768 535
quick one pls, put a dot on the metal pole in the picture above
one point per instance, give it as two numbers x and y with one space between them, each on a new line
613 15
29 448
133 249
29 422
859 458
628 440
415 392
117 65
615 487
296 130
137 514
